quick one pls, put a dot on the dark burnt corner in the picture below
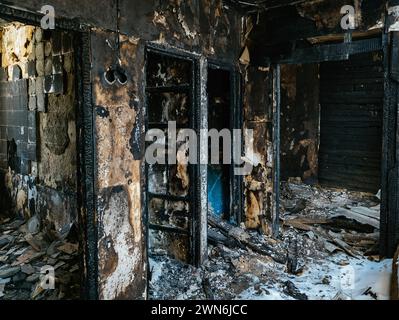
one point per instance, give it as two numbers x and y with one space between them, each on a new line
307 89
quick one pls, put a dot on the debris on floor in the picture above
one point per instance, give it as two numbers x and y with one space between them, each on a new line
321 254
34 267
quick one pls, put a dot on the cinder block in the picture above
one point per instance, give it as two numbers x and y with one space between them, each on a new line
48 66
32 86
41 102
39 85
32 135
32 69
40 67
31 152
32 103
3 74
48 48
39 51
38 34
57 65
3 133
32 119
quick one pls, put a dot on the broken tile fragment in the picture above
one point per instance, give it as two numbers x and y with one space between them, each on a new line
7 272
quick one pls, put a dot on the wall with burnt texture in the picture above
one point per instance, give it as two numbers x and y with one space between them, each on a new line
203 27
39 127
259 118
300 117
120 115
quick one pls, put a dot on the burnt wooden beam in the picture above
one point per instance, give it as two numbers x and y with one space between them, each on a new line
329 52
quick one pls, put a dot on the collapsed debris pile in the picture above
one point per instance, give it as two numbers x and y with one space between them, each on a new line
348 221
28 260
321 253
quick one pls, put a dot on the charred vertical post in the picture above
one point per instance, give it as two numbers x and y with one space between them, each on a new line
276 147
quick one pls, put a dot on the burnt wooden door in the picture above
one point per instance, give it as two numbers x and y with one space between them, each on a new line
352 98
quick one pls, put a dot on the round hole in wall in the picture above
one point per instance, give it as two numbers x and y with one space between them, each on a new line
109 76
121 76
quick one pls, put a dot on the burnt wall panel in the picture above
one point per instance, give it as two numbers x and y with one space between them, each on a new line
300 114
258 117
352 95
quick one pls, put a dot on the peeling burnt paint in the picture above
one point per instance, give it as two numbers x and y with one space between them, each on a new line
257 115
120 251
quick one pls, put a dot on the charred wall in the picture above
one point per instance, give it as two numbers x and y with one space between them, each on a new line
352 99
258 116
300 117
39 127
203 28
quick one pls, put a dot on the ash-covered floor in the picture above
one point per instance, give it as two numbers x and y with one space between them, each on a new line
323 253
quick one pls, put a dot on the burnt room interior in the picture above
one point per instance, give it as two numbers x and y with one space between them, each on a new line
98 203
39 171
331 133
332 122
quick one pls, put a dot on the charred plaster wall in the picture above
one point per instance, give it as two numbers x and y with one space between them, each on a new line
203 27
46 184
199 27
300 118
258 116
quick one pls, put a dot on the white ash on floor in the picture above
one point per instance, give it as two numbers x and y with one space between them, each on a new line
328 256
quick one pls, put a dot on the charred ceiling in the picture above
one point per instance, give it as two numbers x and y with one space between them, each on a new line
280 30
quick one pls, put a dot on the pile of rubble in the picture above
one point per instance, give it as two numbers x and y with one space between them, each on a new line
34 267
347 220
320 254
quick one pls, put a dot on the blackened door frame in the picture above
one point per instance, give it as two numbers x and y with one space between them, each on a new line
389 229
236 122
198 234
388 43
85 141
